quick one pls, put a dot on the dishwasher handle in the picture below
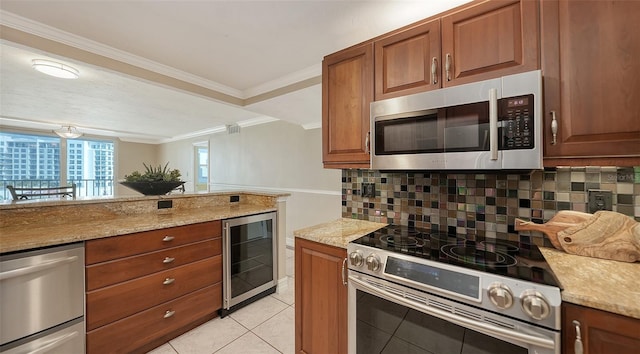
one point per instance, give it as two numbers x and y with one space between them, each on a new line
36 267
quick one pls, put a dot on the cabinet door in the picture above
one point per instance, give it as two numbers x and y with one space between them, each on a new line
347 92
321 298
602 332
408 62
590 52
491 39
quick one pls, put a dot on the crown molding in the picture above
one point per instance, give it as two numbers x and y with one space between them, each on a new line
287 80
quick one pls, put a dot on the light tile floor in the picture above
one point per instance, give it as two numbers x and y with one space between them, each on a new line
263 327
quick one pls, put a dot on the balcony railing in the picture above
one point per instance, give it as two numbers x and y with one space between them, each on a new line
84 187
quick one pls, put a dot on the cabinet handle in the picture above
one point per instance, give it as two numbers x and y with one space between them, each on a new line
554 127
434 70
169 313
447 67
344 268
168 238
168 281
168 260
367 143
577 345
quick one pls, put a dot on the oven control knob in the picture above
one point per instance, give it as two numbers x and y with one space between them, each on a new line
373 263
535 305
500 295
356 258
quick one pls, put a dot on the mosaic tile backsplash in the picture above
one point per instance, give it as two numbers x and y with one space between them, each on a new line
485 204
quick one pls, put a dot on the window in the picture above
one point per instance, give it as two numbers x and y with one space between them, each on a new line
31 160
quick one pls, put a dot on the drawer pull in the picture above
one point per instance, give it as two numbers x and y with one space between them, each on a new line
169 313
168 238
168 260
168 281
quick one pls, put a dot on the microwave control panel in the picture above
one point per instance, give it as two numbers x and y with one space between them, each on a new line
516 122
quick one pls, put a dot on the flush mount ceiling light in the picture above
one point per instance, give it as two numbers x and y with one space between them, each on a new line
55 69
68 132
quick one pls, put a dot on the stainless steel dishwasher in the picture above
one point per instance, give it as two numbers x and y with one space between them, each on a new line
42 300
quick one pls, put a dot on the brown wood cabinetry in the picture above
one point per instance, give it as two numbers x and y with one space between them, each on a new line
590 52
490 39
601 332
408 62
347 92
480 41
321 298
146 288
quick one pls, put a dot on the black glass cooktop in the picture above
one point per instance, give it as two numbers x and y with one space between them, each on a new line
511 259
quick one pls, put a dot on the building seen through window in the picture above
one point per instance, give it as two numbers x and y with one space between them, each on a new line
30 160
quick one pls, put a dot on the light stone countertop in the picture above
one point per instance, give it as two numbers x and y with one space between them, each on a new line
598 283
603 284
338 233
54 223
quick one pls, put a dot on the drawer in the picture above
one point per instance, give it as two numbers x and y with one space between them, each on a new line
110 248
108 273
133 332
124 299
40 289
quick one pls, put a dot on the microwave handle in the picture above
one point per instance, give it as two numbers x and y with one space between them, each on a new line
493 123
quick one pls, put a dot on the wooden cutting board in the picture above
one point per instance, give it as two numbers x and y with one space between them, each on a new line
605 234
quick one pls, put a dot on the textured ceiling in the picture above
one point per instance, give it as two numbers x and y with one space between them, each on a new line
242 49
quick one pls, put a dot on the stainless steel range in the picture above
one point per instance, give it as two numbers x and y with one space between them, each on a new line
418 291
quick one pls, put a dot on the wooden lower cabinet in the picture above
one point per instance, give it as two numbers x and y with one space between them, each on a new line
133 333
144 289
320 298
602 332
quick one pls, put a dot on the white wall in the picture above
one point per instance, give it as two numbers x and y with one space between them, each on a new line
279 156
130 157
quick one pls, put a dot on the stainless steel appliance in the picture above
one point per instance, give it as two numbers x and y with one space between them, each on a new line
487 125
42 300
249 260
419 291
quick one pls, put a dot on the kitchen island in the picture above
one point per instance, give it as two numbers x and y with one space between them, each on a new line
40 223
148 265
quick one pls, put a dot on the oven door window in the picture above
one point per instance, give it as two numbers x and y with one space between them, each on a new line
385 327
466 128
417 134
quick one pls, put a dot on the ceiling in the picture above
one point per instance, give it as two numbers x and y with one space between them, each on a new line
159 71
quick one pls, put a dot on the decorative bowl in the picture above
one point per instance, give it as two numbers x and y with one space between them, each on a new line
153 188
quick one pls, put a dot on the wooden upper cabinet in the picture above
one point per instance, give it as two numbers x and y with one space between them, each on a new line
347 92
408 62
489 40
590 62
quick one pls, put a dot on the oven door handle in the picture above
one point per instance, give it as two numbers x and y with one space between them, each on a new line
459 320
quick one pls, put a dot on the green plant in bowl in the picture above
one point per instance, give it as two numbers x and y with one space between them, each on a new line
154 181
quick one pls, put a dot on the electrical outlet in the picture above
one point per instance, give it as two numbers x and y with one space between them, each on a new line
600 199
368 190
165 204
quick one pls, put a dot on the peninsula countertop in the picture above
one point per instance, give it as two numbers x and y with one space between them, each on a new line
591 282
30 225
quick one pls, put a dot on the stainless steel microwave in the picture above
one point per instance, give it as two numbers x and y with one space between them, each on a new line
489 125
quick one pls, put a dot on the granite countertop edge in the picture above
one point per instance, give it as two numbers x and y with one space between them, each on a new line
576 274
339 232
